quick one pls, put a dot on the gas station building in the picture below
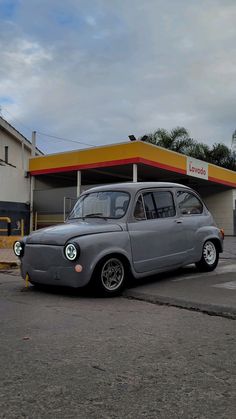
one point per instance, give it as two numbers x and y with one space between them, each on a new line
58 179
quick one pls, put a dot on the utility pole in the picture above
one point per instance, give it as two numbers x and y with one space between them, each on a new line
32 181
233 145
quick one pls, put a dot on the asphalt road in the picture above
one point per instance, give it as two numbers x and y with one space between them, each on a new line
68 355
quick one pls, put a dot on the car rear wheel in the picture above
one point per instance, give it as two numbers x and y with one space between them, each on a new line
210 257
109 276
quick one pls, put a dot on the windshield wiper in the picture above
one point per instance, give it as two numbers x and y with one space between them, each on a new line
95 215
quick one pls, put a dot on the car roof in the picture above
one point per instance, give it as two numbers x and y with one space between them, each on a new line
135 186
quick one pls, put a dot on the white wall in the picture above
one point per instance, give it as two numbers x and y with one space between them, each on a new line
221 207
14 187
234 199
15 152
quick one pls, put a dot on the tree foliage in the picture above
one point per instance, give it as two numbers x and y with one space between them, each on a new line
179 140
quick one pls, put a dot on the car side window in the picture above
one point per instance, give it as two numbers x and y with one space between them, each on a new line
139 212
188 203
164 204
149 205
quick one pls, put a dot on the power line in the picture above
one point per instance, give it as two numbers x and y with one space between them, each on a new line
44 134
64 139
21 123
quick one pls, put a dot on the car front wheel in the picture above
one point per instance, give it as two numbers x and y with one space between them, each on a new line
210 257
109 276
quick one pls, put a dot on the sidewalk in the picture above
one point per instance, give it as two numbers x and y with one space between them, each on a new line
8 259
213 293
229 248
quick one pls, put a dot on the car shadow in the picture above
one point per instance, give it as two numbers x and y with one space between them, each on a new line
57 290
163 277
131 283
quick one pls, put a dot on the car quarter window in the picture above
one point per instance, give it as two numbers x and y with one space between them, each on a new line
164 204
139 212
188 203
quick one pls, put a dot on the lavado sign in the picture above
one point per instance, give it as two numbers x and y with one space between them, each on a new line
197 168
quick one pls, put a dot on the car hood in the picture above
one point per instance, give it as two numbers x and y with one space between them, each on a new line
60 234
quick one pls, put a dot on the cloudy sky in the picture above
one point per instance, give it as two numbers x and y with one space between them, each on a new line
96 71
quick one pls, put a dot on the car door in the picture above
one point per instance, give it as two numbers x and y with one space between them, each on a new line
155 232
192 216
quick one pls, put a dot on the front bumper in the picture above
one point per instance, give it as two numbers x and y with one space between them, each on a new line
47 264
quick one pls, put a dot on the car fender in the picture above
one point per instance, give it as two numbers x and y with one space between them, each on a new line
95 247
208 233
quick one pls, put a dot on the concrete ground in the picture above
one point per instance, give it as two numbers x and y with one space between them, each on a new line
66 355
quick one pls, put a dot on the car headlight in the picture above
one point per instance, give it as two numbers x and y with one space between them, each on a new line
18 248
71 251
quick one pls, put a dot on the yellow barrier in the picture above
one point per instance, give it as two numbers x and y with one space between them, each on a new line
21 228
6 242
46 220
8 221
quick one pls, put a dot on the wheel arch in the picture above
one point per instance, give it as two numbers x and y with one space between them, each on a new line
113 254
216 242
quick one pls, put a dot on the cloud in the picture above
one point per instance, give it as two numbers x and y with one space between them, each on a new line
98 71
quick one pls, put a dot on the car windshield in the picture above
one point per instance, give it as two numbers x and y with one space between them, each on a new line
107 204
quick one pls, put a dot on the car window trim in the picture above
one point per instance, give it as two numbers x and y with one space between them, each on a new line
135 203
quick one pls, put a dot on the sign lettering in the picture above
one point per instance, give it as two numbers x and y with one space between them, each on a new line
197 168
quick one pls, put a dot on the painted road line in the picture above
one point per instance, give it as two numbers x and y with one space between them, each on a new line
231 285
229 268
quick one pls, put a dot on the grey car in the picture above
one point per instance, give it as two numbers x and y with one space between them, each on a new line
123 230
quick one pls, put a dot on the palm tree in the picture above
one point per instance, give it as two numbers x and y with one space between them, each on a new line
200 151
177 139
222 156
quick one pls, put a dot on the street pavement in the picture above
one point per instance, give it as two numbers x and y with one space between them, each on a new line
64 354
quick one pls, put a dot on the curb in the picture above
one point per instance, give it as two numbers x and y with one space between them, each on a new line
8 265
210 309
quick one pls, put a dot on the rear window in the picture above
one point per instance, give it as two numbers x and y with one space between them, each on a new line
188 203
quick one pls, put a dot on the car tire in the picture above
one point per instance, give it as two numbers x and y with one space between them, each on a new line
109 277
210 257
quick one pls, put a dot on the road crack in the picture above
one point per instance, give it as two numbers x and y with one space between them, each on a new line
213 310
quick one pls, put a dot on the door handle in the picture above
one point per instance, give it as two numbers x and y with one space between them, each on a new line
178 221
